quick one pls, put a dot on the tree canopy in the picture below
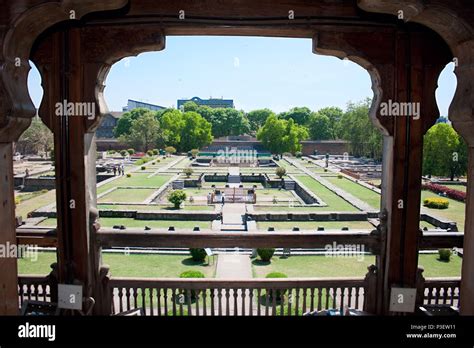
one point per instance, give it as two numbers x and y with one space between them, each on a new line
444 152
279 135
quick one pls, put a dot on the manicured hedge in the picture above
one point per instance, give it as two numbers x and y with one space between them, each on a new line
451 193
436 203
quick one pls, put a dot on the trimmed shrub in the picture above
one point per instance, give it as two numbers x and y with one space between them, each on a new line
192 274
266 254
194 152
170 149
177 197
129 175
198 255
280 172
191 199
188 171
131 151
298 154
143 168
155 152
149 153
124 153
436 203
445 254
440 189
339 176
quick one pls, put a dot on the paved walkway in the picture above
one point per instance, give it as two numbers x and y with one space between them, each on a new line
234 266
233 213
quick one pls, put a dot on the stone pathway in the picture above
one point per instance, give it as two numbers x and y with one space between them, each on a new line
233 213
234 266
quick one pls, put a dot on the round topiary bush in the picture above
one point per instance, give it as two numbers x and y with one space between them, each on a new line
198 255
143 168
129 175
131 151
339 176
298 154
266 254
192 274
177 197
436 203
280 172
445 254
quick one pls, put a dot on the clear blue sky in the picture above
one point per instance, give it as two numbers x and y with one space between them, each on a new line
256 72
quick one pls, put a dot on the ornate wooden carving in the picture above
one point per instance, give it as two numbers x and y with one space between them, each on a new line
16 107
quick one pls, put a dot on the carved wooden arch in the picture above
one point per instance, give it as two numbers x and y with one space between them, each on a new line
447 19
98 49
16 107
374 51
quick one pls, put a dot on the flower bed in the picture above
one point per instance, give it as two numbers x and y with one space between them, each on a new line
451 193
436 203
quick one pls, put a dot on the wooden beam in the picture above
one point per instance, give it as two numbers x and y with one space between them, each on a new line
8 265
139 238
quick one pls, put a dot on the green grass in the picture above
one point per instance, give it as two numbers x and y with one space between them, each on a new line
313 225
137 179
35 203
372 198
128 265
314 266
127 195
154 207
455 212
334 202
322 266
132 223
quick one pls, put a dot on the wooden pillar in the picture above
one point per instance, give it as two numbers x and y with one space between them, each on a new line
8 265
467 278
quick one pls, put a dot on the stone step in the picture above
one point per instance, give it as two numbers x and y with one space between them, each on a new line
233 227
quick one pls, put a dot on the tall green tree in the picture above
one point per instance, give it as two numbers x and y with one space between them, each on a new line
320 127
357 128
145 133
335 115
301 115
280 136
444 152
36 138
196 132
172 123
227 121
125 122
257 118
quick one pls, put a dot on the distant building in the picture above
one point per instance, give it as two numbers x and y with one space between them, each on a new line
213 102
107 125
322 147
134 104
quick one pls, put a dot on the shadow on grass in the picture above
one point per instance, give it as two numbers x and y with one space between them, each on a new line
190 262
443 260
260 263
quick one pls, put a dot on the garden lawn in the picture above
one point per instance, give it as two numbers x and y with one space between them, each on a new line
455 212
123 195
34 203
313 225
370 197
132 223
128 265
322 266
334 202
137 179
154 207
